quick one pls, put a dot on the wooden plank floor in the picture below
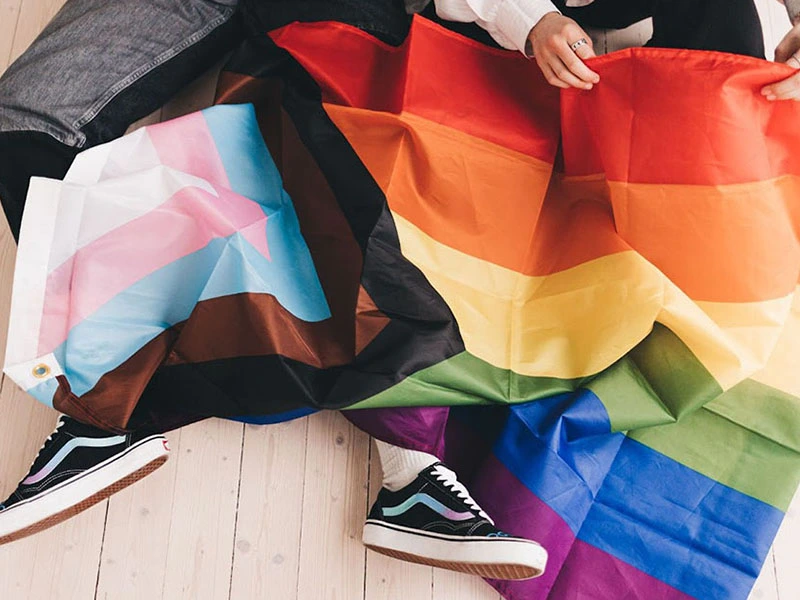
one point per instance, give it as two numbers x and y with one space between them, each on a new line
241 511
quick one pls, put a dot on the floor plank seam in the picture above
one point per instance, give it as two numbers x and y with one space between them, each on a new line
775 572
302 511
102 546
175 454
236 516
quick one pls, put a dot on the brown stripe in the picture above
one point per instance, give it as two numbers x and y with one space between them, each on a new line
110 403
257 325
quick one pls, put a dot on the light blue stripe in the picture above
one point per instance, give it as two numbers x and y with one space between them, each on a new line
226 266
135 316
45 392
251 171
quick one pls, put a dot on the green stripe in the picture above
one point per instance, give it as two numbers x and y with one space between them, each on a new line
733 453
765 410
747 438
465 379
656 383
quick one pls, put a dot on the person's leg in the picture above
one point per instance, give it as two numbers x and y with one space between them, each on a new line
608 14
424 514
400 465
95 69
385 19
722 25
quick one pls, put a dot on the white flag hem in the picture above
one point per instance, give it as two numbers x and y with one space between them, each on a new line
30 278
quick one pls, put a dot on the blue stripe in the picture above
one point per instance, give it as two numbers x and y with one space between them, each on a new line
561 450
693 533
276 418
669 521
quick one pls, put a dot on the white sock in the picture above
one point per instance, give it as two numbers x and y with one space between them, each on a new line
401 466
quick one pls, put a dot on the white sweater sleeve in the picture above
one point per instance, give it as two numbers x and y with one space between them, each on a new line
508 21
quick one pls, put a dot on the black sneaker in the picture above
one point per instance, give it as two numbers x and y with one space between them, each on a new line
434 521
78 466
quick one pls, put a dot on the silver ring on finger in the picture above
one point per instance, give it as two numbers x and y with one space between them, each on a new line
578 44
795 58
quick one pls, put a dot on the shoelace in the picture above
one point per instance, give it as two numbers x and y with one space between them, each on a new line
449 479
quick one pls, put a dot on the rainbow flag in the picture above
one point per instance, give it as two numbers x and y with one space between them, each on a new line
612 274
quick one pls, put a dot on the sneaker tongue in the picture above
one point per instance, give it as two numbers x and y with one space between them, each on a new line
445 479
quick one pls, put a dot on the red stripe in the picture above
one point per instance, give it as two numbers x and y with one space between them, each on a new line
647 121
502 97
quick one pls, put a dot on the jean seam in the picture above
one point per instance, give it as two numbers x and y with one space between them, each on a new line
68 139
162 58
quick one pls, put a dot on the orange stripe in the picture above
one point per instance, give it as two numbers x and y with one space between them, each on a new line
725 243
445 182
730 243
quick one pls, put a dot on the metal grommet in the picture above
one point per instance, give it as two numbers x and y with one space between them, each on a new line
41 371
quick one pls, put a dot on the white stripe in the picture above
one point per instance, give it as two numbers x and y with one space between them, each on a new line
80 442
90 212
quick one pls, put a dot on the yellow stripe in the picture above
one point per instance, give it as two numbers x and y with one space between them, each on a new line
579 321
782 371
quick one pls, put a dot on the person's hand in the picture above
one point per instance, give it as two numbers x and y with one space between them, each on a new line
788 51
559 46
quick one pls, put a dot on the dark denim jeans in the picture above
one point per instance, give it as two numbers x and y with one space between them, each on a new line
99 66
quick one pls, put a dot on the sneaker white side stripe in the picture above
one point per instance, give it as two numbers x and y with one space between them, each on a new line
66 449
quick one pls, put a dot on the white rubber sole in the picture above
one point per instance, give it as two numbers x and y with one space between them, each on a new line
495 558
83 491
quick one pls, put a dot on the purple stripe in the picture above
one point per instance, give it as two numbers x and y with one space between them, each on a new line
519 512
415 428
575 569
591 573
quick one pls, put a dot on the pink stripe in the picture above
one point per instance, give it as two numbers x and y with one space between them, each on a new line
185 223
96 273
186 144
